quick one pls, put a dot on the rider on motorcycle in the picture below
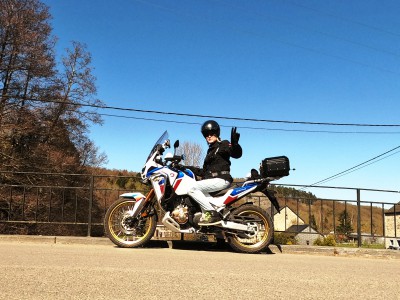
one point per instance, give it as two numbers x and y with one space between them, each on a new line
215 173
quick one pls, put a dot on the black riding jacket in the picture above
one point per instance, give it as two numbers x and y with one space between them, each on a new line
217 162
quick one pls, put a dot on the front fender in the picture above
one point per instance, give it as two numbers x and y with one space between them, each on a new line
135 196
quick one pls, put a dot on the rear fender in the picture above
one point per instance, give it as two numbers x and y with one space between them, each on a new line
271 196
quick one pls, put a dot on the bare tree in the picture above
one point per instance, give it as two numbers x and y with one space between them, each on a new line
74 104
45 113
26 69
76 89
194 154
26 53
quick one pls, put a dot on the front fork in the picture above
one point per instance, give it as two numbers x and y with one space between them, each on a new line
140 204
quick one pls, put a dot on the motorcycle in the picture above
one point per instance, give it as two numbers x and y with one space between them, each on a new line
131 221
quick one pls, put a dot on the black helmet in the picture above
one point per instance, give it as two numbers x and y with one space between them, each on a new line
210 126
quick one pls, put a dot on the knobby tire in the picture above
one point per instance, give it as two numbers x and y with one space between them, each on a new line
125 232
259 242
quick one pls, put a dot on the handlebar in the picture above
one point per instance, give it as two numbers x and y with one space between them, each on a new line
174 159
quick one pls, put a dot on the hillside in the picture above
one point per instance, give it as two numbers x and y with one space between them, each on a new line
324 215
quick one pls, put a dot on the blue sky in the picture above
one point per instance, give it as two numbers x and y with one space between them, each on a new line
286 60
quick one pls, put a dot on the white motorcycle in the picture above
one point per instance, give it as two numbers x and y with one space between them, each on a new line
132 220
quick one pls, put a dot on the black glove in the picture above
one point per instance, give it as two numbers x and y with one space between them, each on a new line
234 136
236 150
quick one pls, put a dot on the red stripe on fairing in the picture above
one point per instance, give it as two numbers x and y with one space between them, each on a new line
230 199
177 183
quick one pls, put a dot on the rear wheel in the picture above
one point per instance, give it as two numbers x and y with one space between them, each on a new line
127 231
260 231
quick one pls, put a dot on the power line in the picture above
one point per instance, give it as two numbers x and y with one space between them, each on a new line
361 167
217 117
329 35
352 169
253 128
277 40
345 19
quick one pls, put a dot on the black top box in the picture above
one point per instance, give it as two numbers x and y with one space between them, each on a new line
277 166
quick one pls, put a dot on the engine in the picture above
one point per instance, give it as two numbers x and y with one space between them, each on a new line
180 214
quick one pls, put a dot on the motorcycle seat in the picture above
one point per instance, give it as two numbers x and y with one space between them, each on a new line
221 192
218 193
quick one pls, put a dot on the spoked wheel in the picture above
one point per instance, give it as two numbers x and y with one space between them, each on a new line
260 230
126 231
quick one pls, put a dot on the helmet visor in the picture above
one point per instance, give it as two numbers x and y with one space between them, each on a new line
207 133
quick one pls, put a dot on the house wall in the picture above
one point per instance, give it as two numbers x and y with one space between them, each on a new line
303 238
392 239
285 219
390 225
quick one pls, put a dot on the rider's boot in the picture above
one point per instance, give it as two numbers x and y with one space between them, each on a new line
210 217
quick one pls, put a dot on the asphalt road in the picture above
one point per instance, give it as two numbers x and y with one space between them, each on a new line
78 271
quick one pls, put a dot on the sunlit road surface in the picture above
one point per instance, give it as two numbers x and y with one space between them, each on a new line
57 271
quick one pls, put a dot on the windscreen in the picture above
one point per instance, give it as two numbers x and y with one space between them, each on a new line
161 140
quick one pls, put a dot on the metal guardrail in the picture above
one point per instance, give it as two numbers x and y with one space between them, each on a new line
375 208
84 206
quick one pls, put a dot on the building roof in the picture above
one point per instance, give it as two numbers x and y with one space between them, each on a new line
393 209
297 228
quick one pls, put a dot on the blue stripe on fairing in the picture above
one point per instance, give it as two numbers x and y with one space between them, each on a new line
180 175
152 171
242 189
189 173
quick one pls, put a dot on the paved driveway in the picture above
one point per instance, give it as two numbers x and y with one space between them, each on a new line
77 271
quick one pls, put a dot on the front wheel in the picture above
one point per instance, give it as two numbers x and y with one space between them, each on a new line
127 231
260 232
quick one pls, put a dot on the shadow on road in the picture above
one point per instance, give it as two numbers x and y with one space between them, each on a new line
197 246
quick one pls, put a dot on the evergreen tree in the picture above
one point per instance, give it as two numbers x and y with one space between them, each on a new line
345 227
313 222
